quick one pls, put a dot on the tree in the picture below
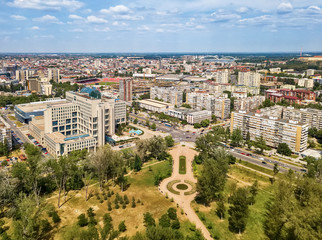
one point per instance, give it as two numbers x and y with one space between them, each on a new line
197 125
205 123
133 205
213 176
153 126
253 192
28 220
122 226
164 221
213 118
82 220
6 151
59 169
284 149
276 169
236 138
261 144
172 213
169 141
135 121
238 211
148 220
137 163
221 209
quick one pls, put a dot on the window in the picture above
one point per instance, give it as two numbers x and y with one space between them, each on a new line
67 127
74 114
61 128
67 121
55 123
74 120
55 129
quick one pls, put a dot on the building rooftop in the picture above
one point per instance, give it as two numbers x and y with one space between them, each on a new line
156 103
39 106
60 138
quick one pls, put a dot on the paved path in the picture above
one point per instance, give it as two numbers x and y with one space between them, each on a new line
184 201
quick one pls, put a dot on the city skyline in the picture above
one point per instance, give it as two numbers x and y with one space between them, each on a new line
144 26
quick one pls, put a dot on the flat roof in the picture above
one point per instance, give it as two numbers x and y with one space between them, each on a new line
38 106
60 138
155 103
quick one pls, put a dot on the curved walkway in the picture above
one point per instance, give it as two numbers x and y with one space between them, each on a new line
184 201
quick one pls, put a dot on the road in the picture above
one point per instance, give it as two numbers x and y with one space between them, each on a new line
178 135
269 163
23 138
184 201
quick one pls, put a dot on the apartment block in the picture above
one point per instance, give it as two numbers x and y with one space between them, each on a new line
310 116
249 103
5 133
53 74
126 89
273 129
197 117
222 77
249 79
219 106
167 94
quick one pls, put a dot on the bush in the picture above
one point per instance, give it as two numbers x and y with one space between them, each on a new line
172 213
82 220
175 224
55 217
122 226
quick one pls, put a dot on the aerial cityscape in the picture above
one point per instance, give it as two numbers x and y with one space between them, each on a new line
180 120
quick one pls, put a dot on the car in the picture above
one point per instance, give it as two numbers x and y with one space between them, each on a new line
247 154
46 152
263 162
262 159
303 170
243 153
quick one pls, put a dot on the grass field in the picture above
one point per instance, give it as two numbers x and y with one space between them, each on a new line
104 83
256 167
141 187
182 165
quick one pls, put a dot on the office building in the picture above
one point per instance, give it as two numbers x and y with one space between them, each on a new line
167 94
53 74
155 106
81 122
26 111
126 90
5 133
272 128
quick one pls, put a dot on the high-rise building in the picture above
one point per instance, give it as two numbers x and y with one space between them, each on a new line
272 128
53 74
249 103
126 90
222 76
82 122
5 133
167 94
249 79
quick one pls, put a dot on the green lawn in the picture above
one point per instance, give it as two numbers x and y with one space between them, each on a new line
256 167
182 165
104 83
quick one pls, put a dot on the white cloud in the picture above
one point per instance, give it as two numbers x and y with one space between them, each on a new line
35 28
221 16
18 17
47 4
128 17
243 9
119 24
47 18
260 20
159 30
75 17
144 28
106 29
118 9
94 19
314 9
77 30
285 7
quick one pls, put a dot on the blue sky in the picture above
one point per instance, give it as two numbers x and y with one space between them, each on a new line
160 26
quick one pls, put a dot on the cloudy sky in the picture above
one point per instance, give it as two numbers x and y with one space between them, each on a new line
160 26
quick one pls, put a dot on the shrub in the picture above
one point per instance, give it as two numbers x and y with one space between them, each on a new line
82 220
122 226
